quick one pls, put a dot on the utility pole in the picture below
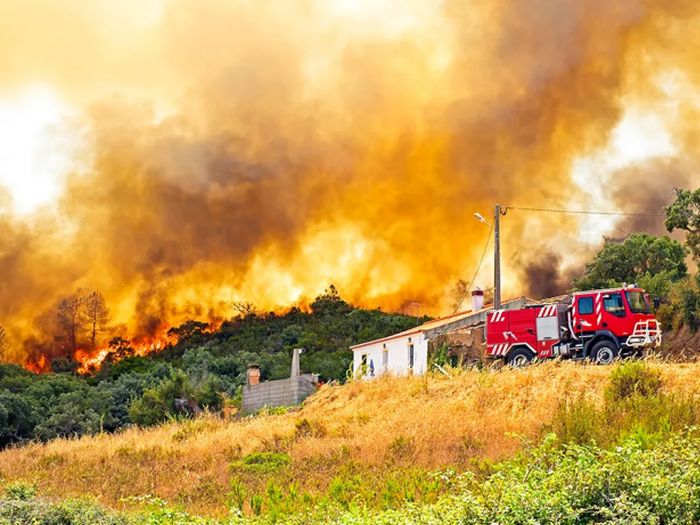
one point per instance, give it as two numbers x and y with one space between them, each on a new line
417 305
497 258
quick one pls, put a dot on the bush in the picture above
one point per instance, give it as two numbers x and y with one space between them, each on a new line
633 378
17 420
577 421
40 511
634 407
690 301
20 490
159 403
681 305
238 494
263 462
157 512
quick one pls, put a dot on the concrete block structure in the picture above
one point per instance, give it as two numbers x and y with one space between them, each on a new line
281 392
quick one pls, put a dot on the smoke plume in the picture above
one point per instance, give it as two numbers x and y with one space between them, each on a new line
544 276
260 152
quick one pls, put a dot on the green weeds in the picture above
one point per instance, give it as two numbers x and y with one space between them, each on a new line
634 407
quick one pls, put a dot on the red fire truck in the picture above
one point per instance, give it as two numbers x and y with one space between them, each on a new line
599 325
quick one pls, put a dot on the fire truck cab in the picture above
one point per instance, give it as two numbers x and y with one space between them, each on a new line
599 325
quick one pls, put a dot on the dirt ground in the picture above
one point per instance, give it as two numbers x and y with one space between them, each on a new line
681 346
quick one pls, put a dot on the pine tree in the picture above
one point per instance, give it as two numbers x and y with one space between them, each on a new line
69 310
95 314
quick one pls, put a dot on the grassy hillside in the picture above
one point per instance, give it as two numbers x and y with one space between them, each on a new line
373 443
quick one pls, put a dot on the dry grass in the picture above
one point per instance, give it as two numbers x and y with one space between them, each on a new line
426 422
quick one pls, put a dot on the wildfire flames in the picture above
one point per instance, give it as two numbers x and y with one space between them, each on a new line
92 360
38 366
209 152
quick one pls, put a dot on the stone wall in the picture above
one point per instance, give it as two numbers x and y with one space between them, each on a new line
282 392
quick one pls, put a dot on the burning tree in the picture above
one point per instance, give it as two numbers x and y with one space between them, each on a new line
119 348
69 318
95 314
188 330
244 309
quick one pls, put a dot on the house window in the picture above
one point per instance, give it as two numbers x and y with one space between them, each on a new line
411 356
385 358
363 364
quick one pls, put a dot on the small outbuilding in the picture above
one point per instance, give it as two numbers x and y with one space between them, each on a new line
280 392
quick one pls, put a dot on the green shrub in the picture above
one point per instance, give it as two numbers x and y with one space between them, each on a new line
565 485
577 421
40 511
633 407
274 411
633 378
157 512
158 404
256 504
20 490
237 494
262 462
690 301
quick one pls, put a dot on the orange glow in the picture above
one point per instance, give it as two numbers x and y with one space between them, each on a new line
38 366
259 152
91 361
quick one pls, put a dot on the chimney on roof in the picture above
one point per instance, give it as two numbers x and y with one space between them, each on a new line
253 375
477 299
296 367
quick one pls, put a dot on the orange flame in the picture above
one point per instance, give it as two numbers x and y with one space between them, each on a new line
91 361
39 366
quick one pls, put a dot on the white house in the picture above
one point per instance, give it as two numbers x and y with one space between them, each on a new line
400 353
407 351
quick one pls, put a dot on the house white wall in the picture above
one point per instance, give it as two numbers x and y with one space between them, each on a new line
397 354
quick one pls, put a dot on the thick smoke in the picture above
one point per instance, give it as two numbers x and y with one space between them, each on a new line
647 188
297 149
544 277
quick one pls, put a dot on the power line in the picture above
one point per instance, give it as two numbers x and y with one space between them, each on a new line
476 273
583 212
545 210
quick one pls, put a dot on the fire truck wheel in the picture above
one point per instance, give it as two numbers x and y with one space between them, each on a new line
604 352
519 357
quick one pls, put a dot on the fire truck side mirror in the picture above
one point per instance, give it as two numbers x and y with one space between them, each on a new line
657 302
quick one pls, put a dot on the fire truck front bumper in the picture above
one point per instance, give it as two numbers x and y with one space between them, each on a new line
645 334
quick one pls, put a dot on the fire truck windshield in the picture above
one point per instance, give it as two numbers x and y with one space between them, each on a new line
638 303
